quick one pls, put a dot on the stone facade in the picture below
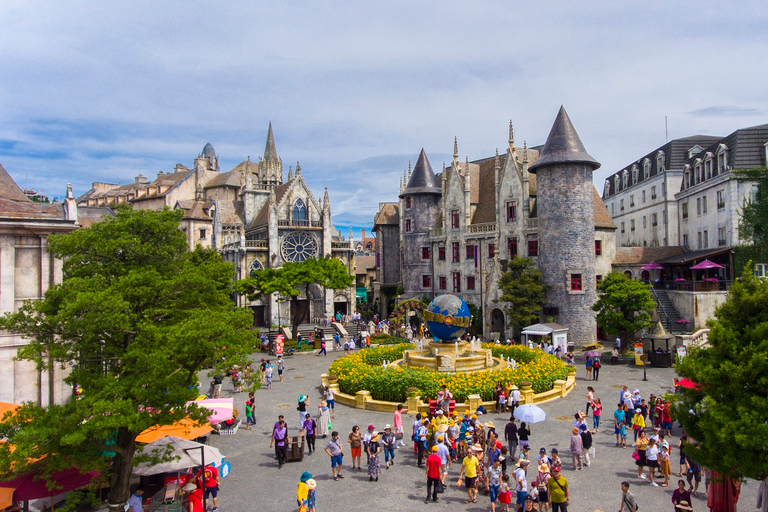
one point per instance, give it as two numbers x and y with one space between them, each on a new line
456 230
251 214
27 271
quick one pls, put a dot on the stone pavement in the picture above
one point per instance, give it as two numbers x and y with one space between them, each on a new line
255 483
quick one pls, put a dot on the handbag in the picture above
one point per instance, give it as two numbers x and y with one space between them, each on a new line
635 455
440 486
399 436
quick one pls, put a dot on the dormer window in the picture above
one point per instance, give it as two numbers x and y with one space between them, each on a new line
635 173
624 178
616 182
646 169
708 166
660 162
722 159
607 188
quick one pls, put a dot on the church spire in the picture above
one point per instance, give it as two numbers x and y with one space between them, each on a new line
326 201
455 151
270 152
511 136
290 173
298 169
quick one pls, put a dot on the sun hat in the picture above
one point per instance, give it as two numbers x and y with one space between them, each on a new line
514 388
311 483
575 430
323 403
477 447
684 505
543 467
489 424
189 487
522 462
442 428
302 398
375 437
387 427
305 476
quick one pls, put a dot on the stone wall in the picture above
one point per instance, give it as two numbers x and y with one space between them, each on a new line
566 245
697 307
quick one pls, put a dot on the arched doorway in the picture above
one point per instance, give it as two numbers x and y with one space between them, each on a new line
628 273
497 320
646 276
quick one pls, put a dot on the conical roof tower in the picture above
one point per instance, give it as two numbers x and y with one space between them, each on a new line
563 145
423 179
270 151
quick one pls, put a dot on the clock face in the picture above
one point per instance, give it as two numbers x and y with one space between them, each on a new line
298 246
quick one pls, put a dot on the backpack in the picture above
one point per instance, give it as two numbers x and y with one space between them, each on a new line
597 364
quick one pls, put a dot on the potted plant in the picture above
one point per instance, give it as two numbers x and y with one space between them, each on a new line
412 392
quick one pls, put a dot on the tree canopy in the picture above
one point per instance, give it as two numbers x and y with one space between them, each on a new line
523 290
753 225
623 305
135 319
727 416
295 278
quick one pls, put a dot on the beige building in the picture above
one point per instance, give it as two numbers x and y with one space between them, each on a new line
27 270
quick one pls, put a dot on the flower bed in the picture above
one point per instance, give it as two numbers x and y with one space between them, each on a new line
363 371
386 339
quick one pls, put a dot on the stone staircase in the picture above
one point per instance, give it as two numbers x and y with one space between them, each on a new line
667 312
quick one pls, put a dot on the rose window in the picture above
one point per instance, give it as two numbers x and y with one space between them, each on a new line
298 247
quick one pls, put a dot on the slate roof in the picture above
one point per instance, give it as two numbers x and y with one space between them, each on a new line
675 155
423 179
231 212
263 216
225 179
89 215
387 215
170 180
687 257
602 217
14 204
195 210
563 145
643 255
363 263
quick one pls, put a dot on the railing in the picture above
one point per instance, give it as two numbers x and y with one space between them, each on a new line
257 244
700 337
666 322
532 223
295 223
699 286
341 245
488 227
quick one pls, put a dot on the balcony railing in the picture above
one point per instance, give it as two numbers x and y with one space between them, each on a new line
532 223
295 223
488 227
257 244
347 245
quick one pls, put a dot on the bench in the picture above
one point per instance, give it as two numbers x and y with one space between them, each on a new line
433 407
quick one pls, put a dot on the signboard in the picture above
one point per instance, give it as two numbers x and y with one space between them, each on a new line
279 344
681 352
638 354
224 470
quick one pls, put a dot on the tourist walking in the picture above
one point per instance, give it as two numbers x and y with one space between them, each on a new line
388 445
641 447
627 499
493 482
302 492
588 367
586 444
513 399
510 436
302 407
590 396
469 468
596 364
329 397
355 441
280 367
249 418
398 422
542 479
308 430
559 491
311 495
597 411
445 457
374 464
279 441
334 451
576 448
323 419
681 498
523 432
619 418
521 484
421 440
434 470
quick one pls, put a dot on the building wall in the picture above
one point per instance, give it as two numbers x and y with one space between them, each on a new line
697 307
566 245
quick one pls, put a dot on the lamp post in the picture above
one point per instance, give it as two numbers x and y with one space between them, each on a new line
644 358
202 459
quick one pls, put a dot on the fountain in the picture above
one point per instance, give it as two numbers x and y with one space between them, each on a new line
448 318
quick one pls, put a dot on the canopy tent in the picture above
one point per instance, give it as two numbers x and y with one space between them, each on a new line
185 429
31 487
185 454
706 264
6 497
652 266
558 333
222 408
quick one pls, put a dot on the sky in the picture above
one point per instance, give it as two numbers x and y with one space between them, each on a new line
104 91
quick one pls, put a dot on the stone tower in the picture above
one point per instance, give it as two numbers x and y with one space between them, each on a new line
270 166
419 202
567 228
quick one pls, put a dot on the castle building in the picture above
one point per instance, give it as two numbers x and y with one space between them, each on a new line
253 215
455 231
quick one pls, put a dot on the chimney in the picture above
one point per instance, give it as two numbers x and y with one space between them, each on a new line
140 179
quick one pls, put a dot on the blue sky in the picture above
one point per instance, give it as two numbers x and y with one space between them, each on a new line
103 91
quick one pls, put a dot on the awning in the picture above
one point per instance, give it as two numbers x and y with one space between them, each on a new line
538 330
28 487
687 257
536 333
222 408
185 429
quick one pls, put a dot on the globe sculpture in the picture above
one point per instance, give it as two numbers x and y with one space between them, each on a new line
448 318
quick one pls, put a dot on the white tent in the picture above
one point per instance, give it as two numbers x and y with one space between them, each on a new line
185 454
557 334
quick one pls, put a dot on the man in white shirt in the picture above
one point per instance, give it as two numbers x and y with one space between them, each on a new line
445 457
521 484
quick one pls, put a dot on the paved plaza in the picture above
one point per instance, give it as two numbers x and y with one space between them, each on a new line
256 484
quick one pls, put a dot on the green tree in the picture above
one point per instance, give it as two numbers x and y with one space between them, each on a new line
623 305
729 409
522 289
135 320
753 225
290 280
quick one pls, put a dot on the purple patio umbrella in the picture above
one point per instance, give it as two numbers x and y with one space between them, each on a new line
652 266
706 264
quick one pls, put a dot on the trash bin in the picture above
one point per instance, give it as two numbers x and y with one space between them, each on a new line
295 449
318 340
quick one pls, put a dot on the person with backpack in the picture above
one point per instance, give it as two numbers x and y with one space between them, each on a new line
596 364
627 499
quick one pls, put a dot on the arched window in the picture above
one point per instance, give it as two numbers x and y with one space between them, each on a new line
300 211
255 267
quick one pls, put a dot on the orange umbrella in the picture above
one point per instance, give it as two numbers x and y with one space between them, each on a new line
6 497
6 407
185 429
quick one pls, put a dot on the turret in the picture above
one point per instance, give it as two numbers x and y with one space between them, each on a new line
566 231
